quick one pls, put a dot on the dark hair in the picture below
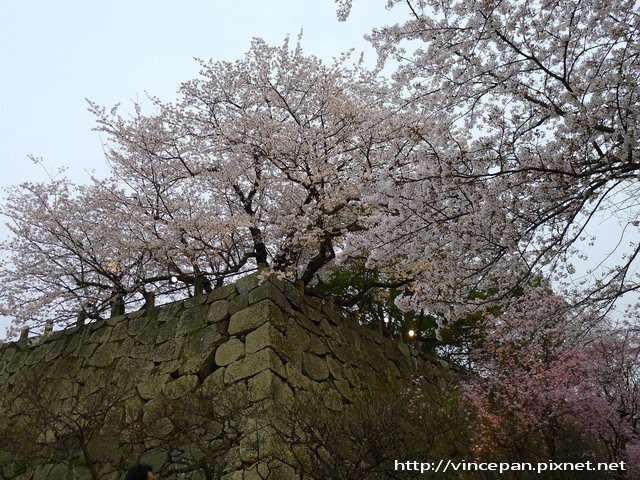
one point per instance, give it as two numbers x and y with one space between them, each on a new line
138 472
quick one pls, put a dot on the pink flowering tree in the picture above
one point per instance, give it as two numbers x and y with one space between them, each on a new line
261 162
545 376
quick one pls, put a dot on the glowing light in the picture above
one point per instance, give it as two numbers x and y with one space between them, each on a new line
174 279
411 333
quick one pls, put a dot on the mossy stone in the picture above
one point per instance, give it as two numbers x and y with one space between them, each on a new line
254 316
229 352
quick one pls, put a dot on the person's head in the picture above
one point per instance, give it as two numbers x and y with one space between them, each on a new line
140 472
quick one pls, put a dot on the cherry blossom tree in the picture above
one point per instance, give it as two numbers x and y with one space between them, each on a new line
544 376
72 251
527 139
261 162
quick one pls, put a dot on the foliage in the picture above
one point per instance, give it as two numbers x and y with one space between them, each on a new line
202 433
59 421
362 440
196 430
100 428
373 298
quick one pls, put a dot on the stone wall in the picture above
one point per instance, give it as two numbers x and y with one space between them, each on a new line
266 341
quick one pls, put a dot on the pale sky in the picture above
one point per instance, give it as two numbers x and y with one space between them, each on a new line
53 55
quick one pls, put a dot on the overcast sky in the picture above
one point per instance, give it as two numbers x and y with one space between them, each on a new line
54 55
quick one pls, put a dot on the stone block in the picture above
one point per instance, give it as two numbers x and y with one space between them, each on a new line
254 316
101 334
259 441
192 320
264 336
198 351
307 324
107 473
180 386
38 354
265 359
140 313
344 388
157 458
16 362
196 301
136 325
332 399
229 352
346 354
269 291
152 386
335 370
65 367
170 312
297 336
262 386
166 331
316 346
221 293
214 382
218 311
57 347
42 472
238 303
133 367
390 349
351 376
86 350
297 379
312 313
314 367
270 469
237 475
83 473
104 355
104 449
374 356
59 472
404 349
120 331
200 342
247 283
149 334
140 351
330 331
292 293
165 351
427 370
282 471
125 347
72 345
392 369
313 302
